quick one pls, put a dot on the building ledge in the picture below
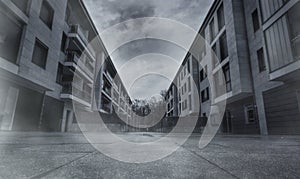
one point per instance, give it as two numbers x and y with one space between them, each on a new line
288 72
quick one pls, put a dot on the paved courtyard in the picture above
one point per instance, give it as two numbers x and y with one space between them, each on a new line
69 155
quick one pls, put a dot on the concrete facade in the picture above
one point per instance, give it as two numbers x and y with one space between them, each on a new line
46 63
260 51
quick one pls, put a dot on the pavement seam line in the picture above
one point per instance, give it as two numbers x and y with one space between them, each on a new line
60 166
216 165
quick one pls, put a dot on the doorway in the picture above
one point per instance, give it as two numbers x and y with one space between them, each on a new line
227 122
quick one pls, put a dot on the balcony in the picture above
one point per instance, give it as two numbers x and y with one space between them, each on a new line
106 105
79 34
84 68
289 71
73 92
78 41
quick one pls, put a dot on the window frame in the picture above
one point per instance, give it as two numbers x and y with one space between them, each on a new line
45 47
222 15
46 4
247 108
261 60
255 21
227 79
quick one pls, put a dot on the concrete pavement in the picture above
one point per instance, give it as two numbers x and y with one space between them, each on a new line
69 155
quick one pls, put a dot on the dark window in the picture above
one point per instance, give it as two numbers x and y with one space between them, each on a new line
40 54
203 73
226 71
46 14
212 30
179 106
214 55
223 47
59 75
261 60
22 5
188 65
255 20
205 95
63 42
10 37
249 113
221 20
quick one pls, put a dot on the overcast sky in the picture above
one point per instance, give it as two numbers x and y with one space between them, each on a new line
147 51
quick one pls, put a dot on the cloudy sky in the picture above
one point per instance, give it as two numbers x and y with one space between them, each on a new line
147 39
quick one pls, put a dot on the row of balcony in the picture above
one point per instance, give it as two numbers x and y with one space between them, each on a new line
77 44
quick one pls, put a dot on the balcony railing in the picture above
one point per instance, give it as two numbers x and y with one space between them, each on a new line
86 67
68 88
78 30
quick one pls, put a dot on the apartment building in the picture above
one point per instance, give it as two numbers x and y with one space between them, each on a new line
46 63
112 96
227 57
273 37
255 44
181 97
171 98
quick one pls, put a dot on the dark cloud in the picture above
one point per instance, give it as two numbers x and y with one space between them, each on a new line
106 13
133 11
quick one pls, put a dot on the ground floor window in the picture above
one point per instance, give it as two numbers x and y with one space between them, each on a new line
249 114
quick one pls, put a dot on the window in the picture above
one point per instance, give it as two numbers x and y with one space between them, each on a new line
261 60
223 47
22 5
212 30
221 19
255 20
185 87
190 102
283 39
10 37
189 84
59 75
63 42
226 71
179 107
214 55
40 54
294 28
249 114
46 14
203 73
205 95
188 66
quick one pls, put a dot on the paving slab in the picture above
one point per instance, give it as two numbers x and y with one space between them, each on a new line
70 155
